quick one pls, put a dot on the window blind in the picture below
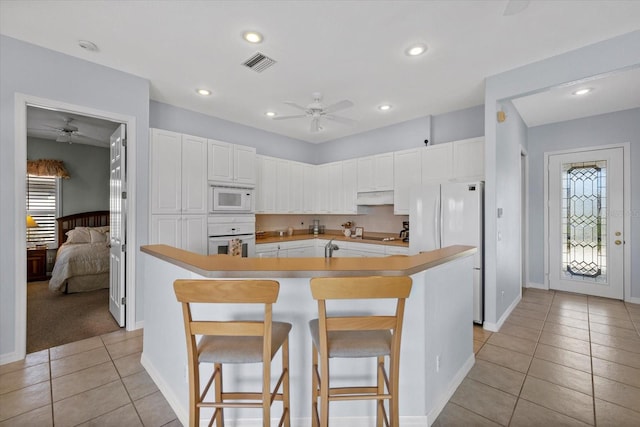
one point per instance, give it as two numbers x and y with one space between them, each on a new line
41 205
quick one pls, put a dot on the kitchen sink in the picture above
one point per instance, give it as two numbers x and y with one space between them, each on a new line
379 239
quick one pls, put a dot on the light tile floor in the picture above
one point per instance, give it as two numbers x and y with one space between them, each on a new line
559 360
94 382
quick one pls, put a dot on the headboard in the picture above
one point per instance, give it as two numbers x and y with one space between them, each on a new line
85 219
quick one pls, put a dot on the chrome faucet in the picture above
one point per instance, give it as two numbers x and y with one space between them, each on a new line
329 248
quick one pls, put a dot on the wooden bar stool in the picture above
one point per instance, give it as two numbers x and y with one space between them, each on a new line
234 342
354 337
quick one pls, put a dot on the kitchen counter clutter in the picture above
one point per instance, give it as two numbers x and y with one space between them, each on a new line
373 238
437 343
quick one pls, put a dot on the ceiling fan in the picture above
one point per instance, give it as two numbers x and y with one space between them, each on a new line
66 132
316 110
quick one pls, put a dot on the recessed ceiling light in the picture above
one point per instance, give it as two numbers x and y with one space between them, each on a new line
203 92
583 91
87 45
270 114
417 49
252 36
384 107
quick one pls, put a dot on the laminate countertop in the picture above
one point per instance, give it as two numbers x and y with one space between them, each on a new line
225 266
336 237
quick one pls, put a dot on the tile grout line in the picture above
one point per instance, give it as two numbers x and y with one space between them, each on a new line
526 375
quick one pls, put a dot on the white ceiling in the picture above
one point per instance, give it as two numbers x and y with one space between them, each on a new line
48 124
345 49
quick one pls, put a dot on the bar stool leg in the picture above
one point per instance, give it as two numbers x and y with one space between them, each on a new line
314 386
266 394
218 386
380 403
324 392
194 398
394 368
285 383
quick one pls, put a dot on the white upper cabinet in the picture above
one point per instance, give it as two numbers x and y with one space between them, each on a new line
336 192
407 171
349 186
296 195
309 191
266 192
283 185
231 163
322 188
166 172
437 163
194 171
468 159
178 173
375 173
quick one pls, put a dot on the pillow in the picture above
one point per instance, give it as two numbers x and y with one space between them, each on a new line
102 229
96 236
78 235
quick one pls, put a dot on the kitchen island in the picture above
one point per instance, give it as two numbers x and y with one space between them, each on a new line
437 341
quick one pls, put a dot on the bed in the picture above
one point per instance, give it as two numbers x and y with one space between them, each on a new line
82 260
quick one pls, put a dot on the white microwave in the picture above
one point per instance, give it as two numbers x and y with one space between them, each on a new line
231 200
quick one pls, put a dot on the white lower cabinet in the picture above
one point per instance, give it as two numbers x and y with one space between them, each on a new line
309 248
188 232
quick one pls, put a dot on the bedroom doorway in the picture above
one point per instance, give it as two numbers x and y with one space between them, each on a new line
68 134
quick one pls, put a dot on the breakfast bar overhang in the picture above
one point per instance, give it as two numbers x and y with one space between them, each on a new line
437 338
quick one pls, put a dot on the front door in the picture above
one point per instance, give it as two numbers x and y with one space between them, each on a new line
586 245
117 224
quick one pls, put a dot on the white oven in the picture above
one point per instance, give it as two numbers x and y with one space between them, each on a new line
223 229
231 200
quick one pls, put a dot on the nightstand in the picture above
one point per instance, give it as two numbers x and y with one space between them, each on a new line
36 264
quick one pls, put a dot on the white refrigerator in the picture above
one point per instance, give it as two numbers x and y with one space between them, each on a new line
448 214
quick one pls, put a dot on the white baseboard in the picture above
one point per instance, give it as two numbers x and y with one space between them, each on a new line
535 285
167 392
495 327
14 356
633 300
453 386
138 325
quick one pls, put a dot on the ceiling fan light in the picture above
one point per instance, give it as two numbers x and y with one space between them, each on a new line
583 91
252 37
270 114
203 92
384 107
416 50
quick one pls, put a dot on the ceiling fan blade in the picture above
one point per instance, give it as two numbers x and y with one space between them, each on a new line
515 6
340 119
345 103
315 125
299 116
298 106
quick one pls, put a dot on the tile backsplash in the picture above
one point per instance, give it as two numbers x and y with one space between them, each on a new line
378 219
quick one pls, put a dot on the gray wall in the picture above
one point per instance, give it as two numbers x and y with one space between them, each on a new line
619 127
168 117
88 188
457 125
38 72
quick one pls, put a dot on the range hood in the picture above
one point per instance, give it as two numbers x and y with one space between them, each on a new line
374 198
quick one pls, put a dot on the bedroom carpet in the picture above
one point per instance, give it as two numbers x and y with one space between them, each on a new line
54 319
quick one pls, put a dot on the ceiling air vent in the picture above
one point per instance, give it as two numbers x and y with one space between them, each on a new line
259 62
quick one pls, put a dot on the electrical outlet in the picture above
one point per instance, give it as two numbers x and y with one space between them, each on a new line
438 363
502 295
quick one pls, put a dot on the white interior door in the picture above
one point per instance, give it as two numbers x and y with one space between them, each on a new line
586 235
117 225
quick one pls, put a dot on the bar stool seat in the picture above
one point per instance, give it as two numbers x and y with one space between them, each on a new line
345 335
232 342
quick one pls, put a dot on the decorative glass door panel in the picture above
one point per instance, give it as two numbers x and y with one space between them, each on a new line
585 222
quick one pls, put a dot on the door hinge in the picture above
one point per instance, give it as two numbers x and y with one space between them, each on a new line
123 301
124 142
124 248
124 194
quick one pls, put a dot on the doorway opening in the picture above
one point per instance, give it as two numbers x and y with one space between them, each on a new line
23 103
